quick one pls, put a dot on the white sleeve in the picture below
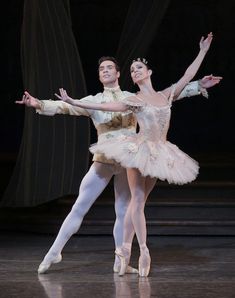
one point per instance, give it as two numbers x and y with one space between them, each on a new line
53 107
192 89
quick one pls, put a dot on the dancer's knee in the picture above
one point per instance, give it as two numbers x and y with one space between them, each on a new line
138 204
79 210
120 213
121 206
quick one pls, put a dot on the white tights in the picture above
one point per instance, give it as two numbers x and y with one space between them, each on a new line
91 187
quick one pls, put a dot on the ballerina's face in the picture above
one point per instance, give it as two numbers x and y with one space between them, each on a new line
139 71
108 74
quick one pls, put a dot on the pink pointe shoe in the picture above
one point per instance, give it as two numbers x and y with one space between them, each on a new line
45 265
144 264
124 256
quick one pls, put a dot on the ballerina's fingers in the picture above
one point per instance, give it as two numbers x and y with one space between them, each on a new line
58 96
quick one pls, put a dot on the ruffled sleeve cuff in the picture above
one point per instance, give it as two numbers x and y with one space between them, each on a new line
191 89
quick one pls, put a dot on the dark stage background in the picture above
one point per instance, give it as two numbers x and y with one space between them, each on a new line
201 127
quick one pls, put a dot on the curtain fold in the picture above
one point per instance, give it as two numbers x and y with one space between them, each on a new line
141 25
53 155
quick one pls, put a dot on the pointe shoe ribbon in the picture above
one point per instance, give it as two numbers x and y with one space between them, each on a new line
44 266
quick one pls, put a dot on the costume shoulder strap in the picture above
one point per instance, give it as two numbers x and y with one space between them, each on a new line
171 97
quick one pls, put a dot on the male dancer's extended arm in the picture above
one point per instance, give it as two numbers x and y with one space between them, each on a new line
52 107
199 87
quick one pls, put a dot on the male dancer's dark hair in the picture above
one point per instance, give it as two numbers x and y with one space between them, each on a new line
109 58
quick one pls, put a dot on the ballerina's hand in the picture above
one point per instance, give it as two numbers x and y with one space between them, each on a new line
205 43
64 96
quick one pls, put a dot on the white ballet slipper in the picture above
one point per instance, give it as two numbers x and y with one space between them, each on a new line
124 261
44 266
129 269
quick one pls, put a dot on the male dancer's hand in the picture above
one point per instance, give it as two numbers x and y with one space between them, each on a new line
29 101
209 81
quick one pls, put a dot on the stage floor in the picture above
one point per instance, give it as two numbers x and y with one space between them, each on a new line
184 267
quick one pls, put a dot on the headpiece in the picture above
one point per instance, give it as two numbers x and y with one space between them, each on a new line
143 60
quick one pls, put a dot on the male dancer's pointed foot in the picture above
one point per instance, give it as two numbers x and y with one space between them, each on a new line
45 265
129 269
144 264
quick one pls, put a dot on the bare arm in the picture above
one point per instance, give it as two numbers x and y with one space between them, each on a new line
193 68
107 106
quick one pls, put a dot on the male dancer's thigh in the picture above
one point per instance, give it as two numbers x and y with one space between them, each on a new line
92 185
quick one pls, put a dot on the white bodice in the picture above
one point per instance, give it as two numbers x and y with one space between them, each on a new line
154 122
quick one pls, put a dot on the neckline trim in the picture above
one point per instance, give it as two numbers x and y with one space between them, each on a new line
112 89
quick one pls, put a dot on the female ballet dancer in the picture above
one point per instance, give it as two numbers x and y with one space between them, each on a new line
147 155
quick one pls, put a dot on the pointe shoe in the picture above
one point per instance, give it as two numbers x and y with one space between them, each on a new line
144 264
44 266
131 270
124 260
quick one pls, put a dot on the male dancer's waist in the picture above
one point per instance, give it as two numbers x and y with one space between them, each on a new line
101 158
108 134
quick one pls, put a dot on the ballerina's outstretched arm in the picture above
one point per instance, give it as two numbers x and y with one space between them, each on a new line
193 67
106 106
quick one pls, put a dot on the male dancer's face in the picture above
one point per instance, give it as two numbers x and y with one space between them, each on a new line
108 74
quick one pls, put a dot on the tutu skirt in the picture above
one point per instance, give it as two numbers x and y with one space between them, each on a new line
162 160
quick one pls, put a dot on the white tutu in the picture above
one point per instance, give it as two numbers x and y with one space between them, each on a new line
149 151
163 160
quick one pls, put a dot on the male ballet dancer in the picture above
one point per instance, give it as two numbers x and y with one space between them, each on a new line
102 169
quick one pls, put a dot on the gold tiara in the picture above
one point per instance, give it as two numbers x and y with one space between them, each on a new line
143 60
